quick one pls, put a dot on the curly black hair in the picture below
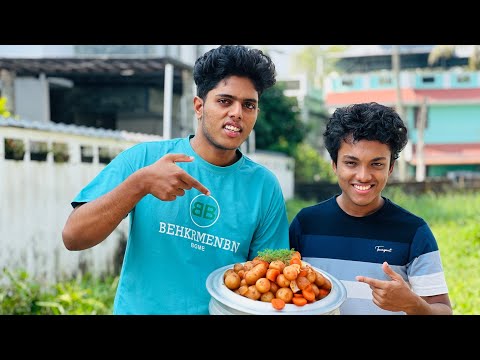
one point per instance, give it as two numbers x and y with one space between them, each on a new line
228 60
367 121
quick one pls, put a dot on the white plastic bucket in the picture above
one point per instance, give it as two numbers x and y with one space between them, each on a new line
225 302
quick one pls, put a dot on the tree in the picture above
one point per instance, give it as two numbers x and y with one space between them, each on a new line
444 52
316 119
310 167
278 126
441 52
317 61
3 108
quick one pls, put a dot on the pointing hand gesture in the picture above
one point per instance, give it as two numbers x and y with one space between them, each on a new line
165 180
392 295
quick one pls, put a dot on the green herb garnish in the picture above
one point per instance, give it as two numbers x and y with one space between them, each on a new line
270 255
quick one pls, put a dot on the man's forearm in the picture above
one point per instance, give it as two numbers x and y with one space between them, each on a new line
92 222
431 305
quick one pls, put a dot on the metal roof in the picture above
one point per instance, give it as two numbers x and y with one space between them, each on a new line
89 66
79 130
382 50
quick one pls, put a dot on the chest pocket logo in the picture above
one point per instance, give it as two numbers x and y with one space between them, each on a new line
383 249
204 210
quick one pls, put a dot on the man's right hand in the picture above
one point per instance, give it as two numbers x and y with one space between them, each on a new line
165 180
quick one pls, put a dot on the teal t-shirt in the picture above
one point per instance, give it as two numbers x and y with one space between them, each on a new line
174 245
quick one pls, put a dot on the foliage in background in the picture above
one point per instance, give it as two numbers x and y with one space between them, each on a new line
278 126
441 53
317 61
310 167
438 208
295 205
3 107
22 296
316 117
455 221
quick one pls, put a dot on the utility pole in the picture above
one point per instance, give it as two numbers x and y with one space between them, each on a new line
420 171
402 164
167 101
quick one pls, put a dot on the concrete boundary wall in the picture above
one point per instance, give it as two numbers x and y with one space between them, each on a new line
35 201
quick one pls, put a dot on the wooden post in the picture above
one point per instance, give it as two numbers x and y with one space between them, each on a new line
420 171
402 163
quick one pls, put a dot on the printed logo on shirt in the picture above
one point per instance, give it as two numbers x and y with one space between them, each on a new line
204 210
382 248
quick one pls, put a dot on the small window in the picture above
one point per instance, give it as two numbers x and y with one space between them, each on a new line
60 152
464 78
38 150
86 153
14 149
428 79
104 155
347 82
385 80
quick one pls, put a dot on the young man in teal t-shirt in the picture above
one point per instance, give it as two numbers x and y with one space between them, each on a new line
195 203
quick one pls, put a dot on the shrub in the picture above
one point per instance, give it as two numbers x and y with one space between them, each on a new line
22 295
310 167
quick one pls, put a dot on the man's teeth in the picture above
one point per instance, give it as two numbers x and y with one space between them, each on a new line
362 187
232 128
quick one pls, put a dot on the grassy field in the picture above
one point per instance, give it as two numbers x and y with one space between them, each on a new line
455 221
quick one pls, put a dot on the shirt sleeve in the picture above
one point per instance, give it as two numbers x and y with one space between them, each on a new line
107 179
425 271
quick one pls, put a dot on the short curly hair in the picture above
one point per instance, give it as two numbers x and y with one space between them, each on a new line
228 60
367 121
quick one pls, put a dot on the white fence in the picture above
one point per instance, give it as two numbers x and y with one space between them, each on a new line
35 201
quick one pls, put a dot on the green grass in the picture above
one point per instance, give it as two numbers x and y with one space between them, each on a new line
295 205
455 221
